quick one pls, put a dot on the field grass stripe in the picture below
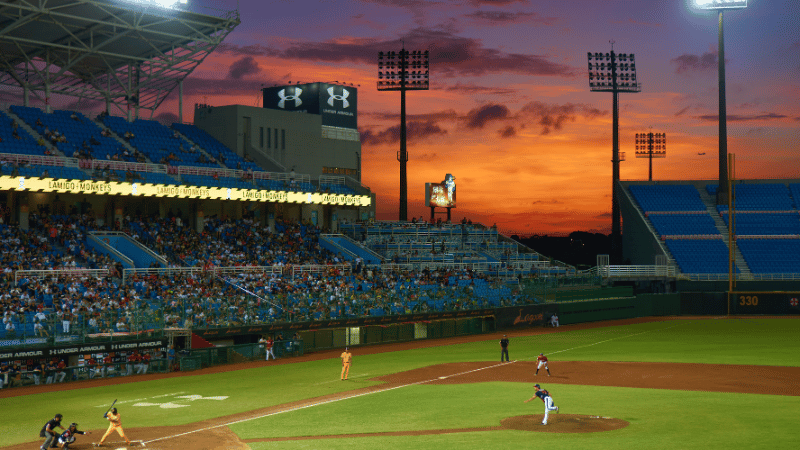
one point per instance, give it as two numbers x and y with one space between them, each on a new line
297 408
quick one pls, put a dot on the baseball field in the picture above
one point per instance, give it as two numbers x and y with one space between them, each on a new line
686 383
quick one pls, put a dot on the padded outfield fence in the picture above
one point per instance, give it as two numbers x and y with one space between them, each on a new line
214 356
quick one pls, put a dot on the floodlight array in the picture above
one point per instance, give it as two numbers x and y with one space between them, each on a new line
403 70
648 144
613 72
721 4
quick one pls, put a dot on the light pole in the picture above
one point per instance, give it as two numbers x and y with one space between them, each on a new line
720 6
615 73
651 145
403 71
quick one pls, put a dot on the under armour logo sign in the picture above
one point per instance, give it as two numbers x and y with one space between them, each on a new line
342 97
295 98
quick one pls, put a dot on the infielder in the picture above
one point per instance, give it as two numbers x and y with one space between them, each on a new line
116 424
548 401
347 358
542 363
68 436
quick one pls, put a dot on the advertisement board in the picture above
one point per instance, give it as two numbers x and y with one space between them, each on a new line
337 104
443 194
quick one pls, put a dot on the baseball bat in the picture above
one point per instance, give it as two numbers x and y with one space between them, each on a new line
112 405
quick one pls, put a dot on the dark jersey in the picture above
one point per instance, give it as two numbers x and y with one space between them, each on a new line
542 394
504 342
68 434
51 425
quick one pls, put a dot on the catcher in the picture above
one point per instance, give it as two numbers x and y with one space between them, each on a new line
116 424
68 436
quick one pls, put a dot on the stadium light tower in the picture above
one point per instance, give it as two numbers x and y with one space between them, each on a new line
651 145
403 71
720 6
615 73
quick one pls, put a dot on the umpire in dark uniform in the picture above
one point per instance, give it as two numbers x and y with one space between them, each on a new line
49 432
504 348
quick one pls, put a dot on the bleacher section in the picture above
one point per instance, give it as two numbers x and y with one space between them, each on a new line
767 226
215 148
23 143
79 132
157 142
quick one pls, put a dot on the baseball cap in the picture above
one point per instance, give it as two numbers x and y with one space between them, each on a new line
536 386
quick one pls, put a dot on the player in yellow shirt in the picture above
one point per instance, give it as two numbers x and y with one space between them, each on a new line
115 424
347 358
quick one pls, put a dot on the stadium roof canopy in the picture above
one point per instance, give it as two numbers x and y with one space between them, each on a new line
125 54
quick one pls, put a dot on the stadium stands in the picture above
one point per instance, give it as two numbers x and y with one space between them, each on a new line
215 148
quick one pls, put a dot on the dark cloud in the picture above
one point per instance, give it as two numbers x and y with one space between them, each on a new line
479 117
687 63
475 89
743 118
216 86
450 55
497 2
506 17
507 132
415 131
244 66
552 117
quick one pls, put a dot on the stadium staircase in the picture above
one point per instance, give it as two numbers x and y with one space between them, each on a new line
35 134
97 244
711 207
339 243
141 256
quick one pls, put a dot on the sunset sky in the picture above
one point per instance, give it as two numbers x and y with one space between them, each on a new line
509 111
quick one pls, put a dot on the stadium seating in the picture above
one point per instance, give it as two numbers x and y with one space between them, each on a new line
771 256
667 197
215 148
157 142
759 197
683 224
24 145
699 256
757 224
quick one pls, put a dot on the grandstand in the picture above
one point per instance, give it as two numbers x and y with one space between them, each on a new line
681 222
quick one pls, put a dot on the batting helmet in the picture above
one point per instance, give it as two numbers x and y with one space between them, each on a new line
73 425
114 410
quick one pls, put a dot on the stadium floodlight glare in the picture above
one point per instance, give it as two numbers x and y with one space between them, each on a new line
403 71
615 73
167 4
651 145
721 4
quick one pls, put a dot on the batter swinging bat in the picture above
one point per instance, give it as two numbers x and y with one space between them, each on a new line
109 408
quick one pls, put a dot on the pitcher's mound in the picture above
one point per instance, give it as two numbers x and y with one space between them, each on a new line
564 423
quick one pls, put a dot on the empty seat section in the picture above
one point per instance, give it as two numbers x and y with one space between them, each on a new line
683 224
771 255
760 197
157 142
699 255
678 197
22 144
758 224
215 148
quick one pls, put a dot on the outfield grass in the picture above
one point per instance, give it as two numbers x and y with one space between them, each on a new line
659 418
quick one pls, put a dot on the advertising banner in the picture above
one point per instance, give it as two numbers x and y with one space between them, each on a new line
217 333
337 104
514 317
81 349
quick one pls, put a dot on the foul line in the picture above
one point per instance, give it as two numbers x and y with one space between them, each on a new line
297 408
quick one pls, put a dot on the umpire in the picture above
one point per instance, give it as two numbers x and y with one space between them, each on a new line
504 348
49 431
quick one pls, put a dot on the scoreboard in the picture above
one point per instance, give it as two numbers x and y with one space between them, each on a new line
765 302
